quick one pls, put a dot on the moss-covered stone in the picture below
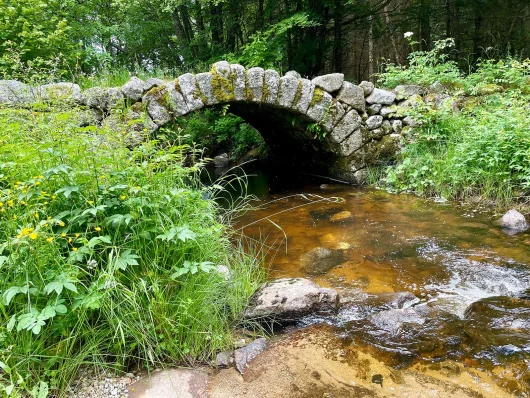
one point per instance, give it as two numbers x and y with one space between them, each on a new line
223 88
318 95
298 94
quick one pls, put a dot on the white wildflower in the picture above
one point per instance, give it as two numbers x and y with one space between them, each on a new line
408 34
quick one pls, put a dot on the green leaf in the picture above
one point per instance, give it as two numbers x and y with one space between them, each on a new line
67 191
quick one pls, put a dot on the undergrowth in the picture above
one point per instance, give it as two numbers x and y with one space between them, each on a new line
481 150
108 256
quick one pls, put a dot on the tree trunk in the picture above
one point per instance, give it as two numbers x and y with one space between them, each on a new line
338 12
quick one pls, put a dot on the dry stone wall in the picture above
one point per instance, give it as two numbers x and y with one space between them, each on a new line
359 124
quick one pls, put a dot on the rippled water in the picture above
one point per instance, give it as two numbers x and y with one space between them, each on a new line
420 280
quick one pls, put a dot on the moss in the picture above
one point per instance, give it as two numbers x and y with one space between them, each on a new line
298 95
223 88
137 107
160 95
265 91
318 95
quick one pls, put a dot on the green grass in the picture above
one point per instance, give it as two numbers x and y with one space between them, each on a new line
108 255
481 152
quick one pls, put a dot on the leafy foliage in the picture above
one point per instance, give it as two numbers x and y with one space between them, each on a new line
107 258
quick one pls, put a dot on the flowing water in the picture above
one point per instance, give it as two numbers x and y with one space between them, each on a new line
423 283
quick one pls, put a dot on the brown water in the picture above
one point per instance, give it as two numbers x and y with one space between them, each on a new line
424 283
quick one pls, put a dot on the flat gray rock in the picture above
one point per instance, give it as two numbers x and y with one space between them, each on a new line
291 298
240 77
152 82
383 97
188 90
271 85
352 95
306 94
330 83
171 383
373 109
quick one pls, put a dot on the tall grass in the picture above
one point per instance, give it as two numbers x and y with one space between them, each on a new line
108 256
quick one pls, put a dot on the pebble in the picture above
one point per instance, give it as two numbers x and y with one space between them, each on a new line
99 384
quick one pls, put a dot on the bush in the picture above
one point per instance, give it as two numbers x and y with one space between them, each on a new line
108 256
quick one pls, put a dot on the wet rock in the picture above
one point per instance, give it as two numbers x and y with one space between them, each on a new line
221 160
320 260
133 89
383 97
330 83
242 356
352 95
398 300
326 213
352 143
393 320
171 383
367 87
341 216
499 325
290 299
515 221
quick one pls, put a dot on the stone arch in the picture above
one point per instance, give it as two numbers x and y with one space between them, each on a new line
351 137
358 124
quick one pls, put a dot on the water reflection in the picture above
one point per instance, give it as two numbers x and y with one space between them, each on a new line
462 275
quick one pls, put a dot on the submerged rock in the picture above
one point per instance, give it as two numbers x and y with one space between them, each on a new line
515 221
320 260
291 298
341 216
242 356
499 325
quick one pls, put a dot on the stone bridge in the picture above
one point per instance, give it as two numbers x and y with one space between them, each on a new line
330 124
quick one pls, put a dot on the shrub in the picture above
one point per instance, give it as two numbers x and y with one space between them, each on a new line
108 256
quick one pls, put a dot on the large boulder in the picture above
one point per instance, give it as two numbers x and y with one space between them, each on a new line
514 221
290 299
13 93
330 83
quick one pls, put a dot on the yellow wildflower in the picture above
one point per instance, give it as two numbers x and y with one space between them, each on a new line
74 249
63 235
33 236
123 197
50 239
61 223
97 229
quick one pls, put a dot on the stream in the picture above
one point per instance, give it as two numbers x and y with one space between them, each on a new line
435 298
